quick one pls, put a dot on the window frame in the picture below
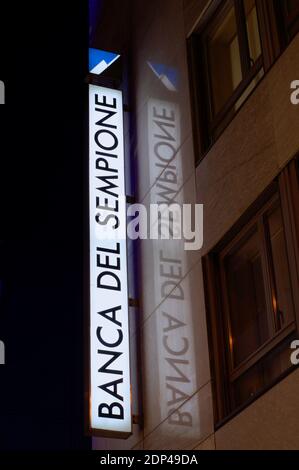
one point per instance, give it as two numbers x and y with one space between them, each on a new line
206 128
248 71
224 374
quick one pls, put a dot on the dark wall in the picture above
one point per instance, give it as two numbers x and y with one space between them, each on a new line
113 27
43 54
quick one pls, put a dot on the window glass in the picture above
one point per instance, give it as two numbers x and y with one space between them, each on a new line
253 34
247 300
224 60
262 374
282 298
248 385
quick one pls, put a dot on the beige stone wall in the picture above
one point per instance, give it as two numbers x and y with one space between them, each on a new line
261 139
251 152
270 423
254 148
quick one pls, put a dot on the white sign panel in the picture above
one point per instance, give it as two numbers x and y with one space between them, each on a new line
110 403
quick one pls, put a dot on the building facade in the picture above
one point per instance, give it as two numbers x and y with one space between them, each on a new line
212 119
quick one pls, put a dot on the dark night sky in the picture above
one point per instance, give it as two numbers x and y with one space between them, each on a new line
43 160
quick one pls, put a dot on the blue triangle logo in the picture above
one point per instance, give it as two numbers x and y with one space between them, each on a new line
100 60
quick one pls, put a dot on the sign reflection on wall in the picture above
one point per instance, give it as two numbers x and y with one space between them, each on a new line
174 324
110 405
167 75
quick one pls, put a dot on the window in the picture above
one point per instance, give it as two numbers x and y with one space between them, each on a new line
251 282
232 55
229 53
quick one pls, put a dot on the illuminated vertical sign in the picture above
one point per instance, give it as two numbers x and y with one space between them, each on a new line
110 402
2 92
